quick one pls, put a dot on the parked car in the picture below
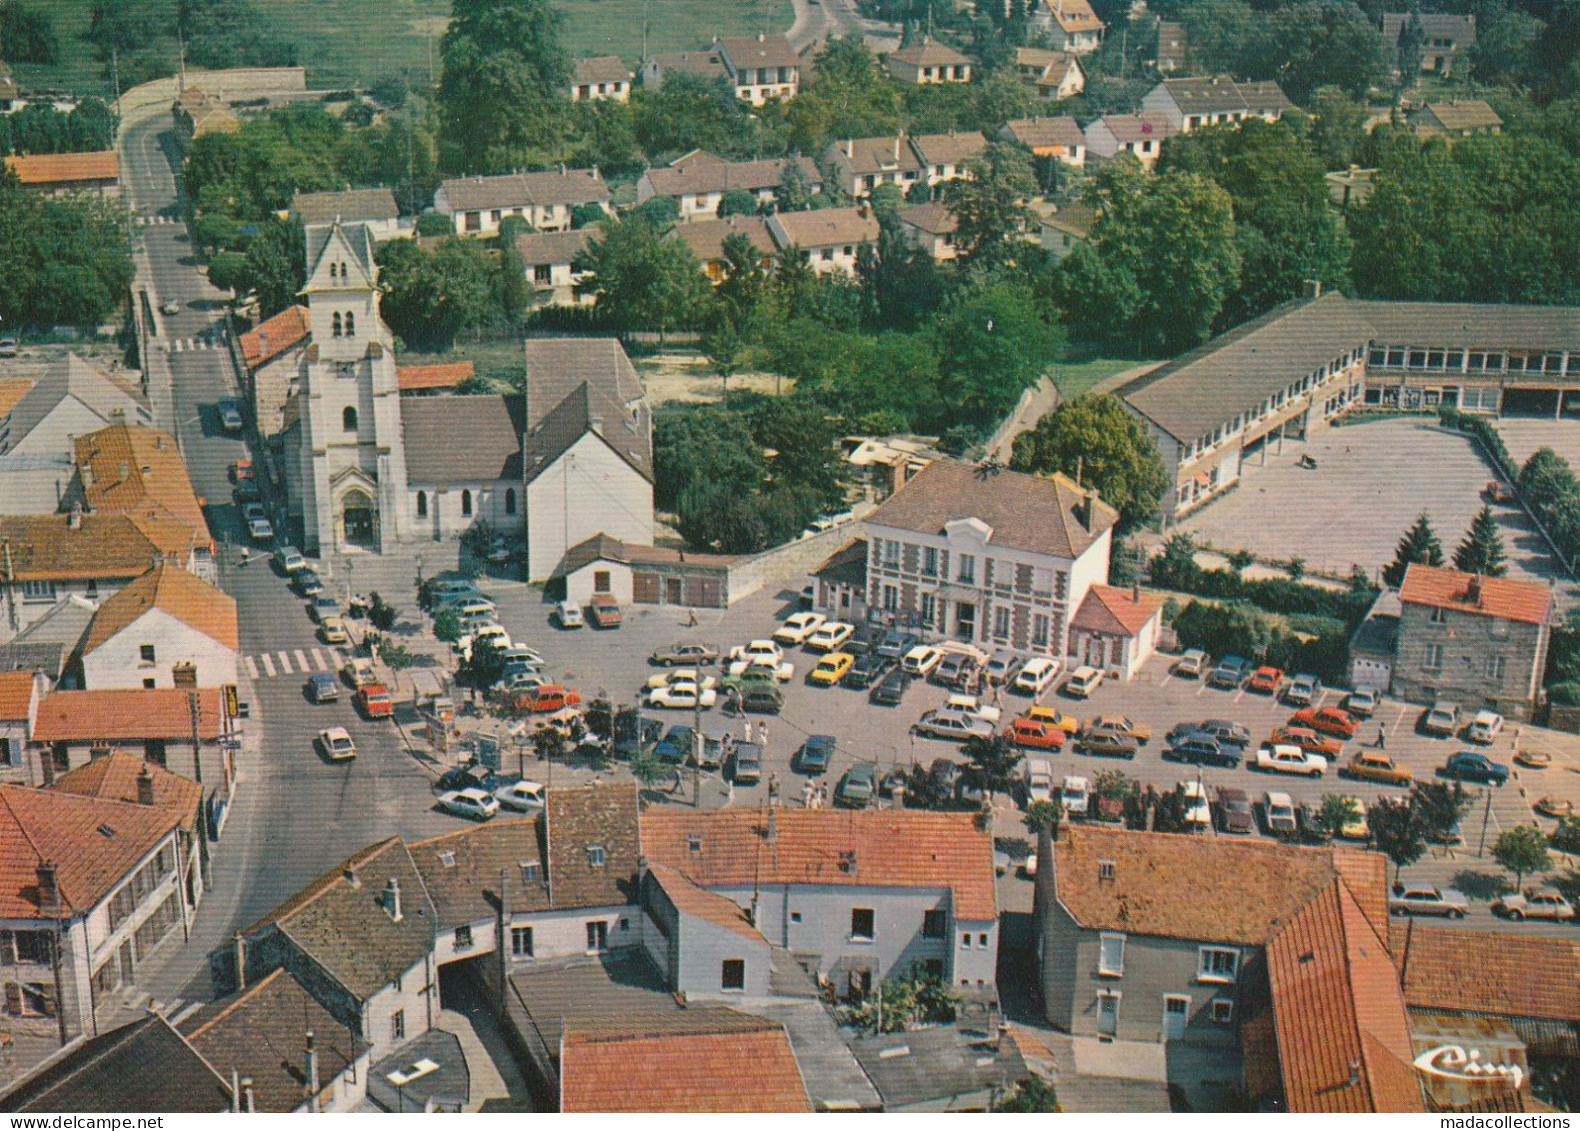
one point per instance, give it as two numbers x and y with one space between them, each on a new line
546 700
1440 720
945 774
336 744
260 530
322 688
746 763
685 653
10 346
856 789
743 671
473 803
893 783
891 688
1266 680
1082 682
1313 830
523 796
633 733
320 607
333 631
1052 715
374 701
569 615
762 700
1203 749
471 776
797 627
1278 810
680 675
922 659
289 559
605 611
868 668
682 694
1375 765
676 745
895 643
956 669
1361 703
246 492
1308 740
817 753
1075 796
830 636
1123 724
1234 811
1326 720
1193 663
1356 826
1283 759
1469 765
306 582
1035 733
1534 903
1036 777
832 668
1226 732
952 724
1425 900
1484 728
1304 690
1230 673
1198 812
1001 668
230 414
1035 675
764 650
1109 744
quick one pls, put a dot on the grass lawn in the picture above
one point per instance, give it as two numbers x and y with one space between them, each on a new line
77 69
1076 377
488 355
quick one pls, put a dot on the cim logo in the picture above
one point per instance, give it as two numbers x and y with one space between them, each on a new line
1452 1062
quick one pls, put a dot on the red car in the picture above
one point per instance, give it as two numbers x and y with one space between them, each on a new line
374 701
1327 720
1309 741
1266 680
1035 733
550 697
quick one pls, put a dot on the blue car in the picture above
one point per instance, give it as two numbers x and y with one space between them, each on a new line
816 753
1468 765
1230 672
677 745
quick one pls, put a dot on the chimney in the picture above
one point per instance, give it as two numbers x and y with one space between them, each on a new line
48 889
85 473
247 1104
125 471
239 949
1135 592
351 877
1311 288
1089 510
1473 592
145 786
235 1092
896 148
596 424
850 148
392 899
312 1074
74 519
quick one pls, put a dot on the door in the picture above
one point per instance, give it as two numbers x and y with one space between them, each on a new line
1176 1013
965 620
673 593
1107 1012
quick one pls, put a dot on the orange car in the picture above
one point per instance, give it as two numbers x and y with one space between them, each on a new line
374 701
1309 741
548 698
1037 733
1326 720
1067 723
1266 680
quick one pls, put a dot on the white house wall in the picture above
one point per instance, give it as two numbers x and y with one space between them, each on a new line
490 503
118 661
589 490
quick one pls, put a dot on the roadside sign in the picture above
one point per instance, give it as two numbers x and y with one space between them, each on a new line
487 750
232 707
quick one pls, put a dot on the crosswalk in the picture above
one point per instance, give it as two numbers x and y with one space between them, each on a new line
294 661
158 218
184 345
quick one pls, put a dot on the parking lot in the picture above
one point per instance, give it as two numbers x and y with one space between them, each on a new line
615 662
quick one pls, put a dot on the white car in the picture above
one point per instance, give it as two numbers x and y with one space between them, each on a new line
569 615
1279 809
969 705
922 659
1082 682
798 627
1283 759
336 744
758 650
524 796
472 802
784 672
1484 728
680 675
1036 675
956 725
1198 810
289 559
828 636
683 693
1038 776
260 530
1075 796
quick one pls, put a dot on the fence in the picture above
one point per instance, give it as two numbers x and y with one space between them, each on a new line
790 560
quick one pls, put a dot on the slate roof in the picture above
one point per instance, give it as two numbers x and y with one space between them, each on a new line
463 439
1220 94
171 589
1237 371
867 155
139 471
357 239
757 51
699 176
1505 598
1472 325
699 903
30 655
1045 133
340 921
516 190
706 237
826 227
538 248
66 168
1116 612
350 206
46 547
600 68
126 715
929 53
846 565
593 816
461 870
705 1059
926 1067
73 377
934 218
410 378
114 778
16 695
1338 1012
261 1033
1436 25
622 983
273 336
571 381
1040 514
1488 972
950 148
1156 888
93 843
892 848
145 1066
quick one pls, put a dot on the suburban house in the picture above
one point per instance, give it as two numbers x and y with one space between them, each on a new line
643 574
587 449
68 398
374 207
1459 117
55 173
1173 48
476 205
860 165
928 62
999 558
166 629
1447 38
698 181
1064 228
1480 641
705 64
456 485
863 895
944 157
92 890
73 728
841 581
1055 139
829 238
760 66
930 228
1053 74
198 113
1067 25
706 239
19 698
1140 135
433 380
1190 104
600 78
271 353
549 259
1116 630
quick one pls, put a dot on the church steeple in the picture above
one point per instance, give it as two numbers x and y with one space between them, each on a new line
342 291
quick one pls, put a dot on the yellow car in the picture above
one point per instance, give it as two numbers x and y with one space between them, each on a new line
333 631
1356 827
832 668
1069 724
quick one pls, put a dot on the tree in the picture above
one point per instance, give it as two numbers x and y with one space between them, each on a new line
396 657
1398 831
745 283
1505 51
1412 39
1094 436
1419 546
381 614
1175 566
1440 805
989 204
435 224
1170 810
63 260
26 34
483 665
430 297
851 98
228 270
1043 816
1336 811
994 759
923 791
992 343
1523 851
722 347
642 280
648 768
276 268
737 202
695 112
1116 785
794 194
914 999
447 625
1482 550
1031 1093
1338 127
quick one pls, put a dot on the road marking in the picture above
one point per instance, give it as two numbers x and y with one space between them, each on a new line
318 660
1399 718
1202 688
285 662
176 346
252 668
268 664
301 662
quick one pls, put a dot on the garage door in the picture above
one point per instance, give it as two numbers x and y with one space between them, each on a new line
644 588
1531 402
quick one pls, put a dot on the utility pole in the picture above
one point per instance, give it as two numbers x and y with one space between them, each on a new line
1486 816
696 745
197 775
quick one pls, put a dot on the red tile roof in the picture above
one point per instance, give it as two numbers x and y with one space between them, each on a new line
1530 602
448 376
12 390
1342 1029
269 339
114 778
1116 612
171 589
45 547
139 472
93 844
16 695
120 715
889 848
708 1059
66 168
689 899
1486 972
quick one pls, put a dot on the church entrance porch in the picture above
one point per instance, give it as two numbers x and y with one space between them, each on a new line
358 519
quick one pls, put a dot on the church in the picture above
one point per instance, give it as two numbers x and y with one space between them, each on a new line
367 468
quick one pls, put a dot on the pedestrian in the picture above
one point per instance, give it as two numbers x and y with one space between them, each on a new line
806 795
1382 739
762 734
773 789
748 730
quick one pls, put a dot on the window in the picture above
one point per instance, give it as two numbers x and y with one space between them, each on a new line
934 924
597 935
982 939
422 504
334 324
827 255
929 609
929 561
1218 964
1222 1010
463 938
1001 622
543 274
531 870
466 503
1495 665
521 942
968 569
398 1025
34 591
861 925
348 419
145 653
1039 631
150 683
891 598
891 555
510 501
965 940
351 324
732 974
595 856
1111 954
1434 658
1438 615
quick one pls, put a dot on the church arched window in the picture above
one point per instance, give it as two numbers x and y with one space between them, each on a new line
351 324
348 419
466 503
422 504
334 323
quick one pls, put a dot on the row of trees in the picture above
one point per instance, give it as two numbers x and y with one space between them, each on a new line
1480 551
63 260
151 38
40 128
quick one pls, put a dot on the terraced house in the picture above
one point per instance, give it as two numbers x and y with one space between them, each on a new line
476 205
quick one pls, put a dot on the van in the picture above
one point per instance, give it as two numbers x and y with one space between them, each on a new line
475 607
1082 682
